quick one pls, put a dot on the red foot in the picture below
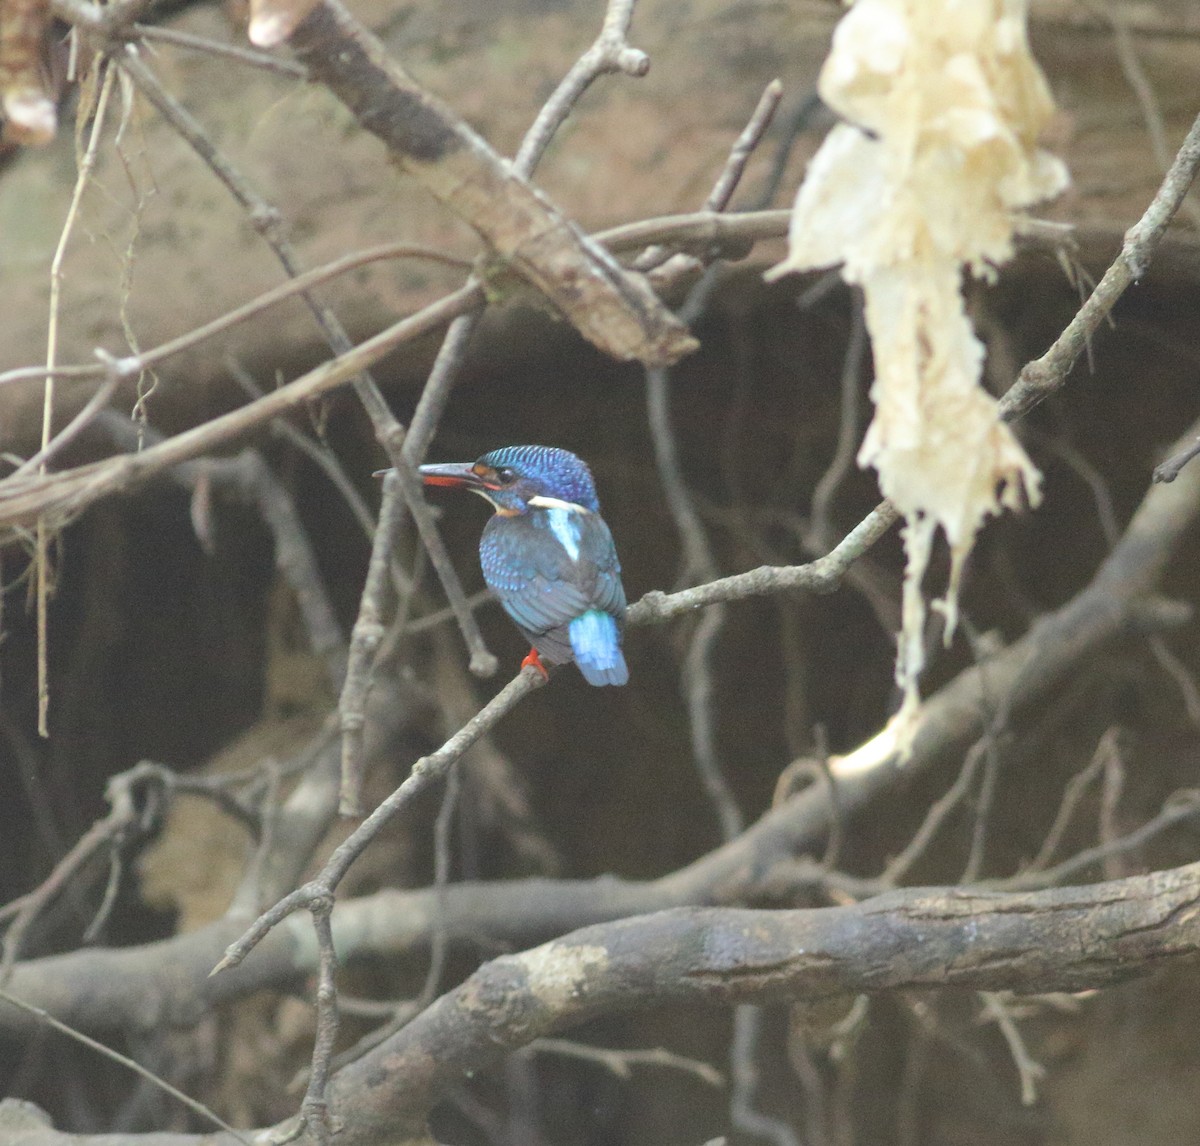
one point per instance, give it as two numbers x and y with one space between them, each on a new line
536 661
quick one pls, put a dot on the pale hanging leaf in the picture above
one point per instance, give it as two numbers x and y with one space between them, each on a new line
926 180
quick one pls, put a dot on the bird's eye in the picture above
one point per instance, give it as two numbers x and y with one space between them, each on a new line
505 474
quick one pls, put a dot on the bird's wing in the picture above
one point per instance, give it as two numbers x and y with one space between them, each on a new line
596 545
531 573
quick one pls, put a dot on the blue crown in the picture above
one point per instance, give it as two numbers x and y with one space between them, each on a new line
559 473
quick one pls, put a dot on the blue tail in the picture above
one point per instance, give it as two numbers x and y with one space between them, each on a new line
596 642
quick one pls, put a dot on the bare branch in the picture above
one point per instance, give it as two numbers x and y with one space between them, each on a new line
622 1062
611 52
1046 374
1169 470
820 576
177 39
424 772
267 220
123 1060
611 307
1029 1070
117 987
65 494
1065 939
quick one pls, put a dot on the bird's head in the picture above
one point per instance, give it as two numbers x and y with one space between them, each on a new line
516 479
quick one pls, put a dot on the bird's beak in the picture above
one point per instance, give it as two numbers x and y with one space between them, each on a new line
459 474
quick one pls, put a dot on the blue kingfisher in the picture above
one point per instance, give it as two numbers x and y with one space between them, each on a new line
548 555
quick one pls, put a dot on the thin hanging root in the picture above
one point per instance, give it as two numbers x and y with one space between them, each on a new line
44 529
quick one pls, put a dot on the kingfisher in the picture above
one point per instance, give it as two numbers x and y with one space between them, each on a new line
548 555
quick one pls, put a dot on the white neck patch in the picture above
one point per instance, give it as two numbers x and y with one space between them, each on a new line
563 518
556 503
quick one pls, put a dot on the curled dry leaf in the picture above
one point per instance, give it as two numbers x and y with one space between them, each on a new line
273 21
944 104
29 112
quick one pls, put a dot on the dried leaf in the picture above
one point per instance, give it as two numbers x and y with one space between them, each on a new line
273 21
29 112
945 104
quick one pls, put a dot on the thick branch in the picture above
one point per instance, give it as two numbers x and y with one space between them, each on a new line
1066 939
611 307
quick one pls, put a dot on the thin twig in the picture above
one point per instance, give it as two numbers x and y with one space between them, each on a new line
735 165
441 616
443 828
365 639
994 714
314 1108
1179 672
849 428
1139 82
1073 792
610 53
424 773
698 566
747 1023
1029 1070
744 147
1178 809
1046 374
33 903
76 425
1169 470
622 1062
1111 789
243 55
192 1104
1092 478
820 576
938 812
320 455
482 662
